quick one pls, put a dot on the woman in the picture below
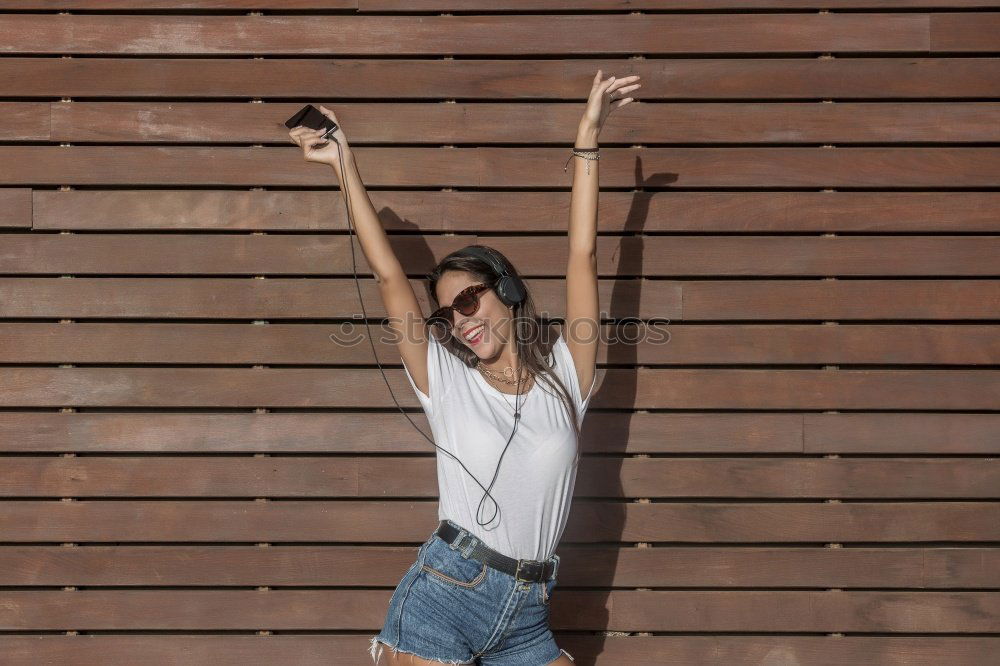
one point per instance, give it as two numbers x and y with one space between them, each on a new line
479 591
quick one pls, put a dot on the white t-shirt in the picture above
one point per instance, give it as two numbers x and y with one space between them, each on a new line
472 420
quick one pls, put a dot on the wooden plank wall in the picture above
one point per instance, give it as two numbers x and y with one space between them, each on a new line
805 198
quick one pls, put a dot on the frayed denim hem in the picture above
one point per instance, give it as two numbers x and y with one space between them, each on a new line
377 646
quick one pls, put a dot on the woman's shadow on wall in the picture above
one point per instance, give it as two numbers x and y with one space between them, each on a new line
580 617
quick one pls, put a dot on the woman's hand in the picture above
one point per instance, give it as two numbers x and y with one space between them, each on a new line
602 94
315 149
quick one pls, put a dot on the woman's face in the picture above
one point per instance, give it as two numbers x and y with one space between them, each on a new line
493 318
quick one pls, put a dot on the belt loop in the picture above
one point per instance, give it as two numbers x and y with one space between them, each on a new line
555 569
467 550
457 543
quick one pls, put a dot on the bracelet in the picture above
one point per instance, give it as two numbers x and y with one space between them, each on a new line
586 153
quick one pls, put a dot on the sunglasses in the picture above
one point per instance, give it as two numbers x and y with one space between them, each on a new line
467 303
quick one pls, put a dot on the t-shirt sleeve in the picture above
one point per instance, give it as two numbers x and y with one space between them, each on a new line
571 377
441 368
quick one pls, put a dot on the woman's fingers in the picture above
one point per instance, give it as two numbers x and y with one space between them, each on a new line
620 102
297 133
614 85
309 141
618 83
312 141
328 113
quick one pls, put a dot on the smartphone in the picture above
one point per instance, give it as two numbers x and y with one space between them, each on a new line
311 117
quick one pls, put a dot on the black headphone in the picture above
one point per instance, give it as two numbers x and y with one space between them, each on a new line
509 288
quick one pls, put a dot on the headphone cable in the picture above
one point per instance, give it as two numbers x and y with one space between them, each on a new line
517 411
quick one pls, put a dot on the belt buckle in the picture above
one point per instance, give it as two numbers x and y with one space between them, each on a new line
533 569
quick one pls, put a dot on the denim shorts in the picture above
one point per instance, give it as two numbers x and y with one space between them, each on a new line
456 610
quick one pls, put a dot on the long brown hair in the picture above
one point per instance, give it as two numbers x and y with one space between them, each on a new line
531 350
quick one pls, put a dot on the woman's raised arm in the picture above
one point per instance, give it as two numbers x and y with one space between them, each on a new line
400 302
582 307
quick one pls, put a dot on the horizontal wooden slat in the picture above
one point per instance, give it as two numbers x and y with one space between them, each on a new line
483 123
505 167
15 208
673 610
274 5
616 388
490 6
657 433
500 35
964 31
620 5
219 521
612 650
322 477
523 35
676 300
649 256
453 212
918 78
275 344
641 650
580 566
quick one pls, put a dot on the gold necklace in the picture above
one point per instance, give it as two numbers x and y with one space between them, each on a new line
497 377
508 371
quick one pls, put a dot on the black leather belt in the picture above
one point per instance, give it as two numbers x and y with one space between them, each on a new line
525 570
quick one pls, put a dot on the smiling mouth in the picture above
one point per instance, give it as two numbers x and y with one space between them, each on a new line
477 334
